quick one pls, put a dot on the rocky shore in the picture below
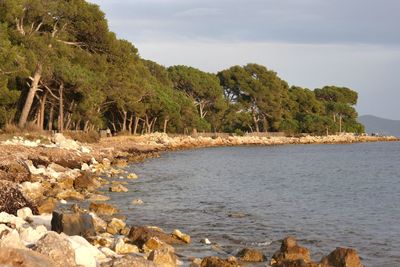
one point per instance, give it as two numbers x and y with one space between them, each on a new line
53 214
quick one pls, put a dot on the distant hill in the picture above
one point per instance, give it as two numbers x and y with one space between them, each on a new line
375 124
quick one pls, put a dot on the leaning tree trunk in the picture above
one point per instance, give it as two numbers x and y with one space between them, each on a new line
31 95
135 127
256 123
61 108
165 125
130 124
125 118
42 111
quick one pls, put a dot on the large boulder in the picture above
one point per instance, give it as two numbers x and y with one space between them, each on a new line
103 208
58 248
86 181
163 258
10 257
342 257
290 251
140 235
218 262
251 255
85 254
12 199
129 260
73 224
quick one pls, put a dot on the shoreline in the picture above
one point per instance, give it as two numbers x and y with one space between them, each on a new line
47 174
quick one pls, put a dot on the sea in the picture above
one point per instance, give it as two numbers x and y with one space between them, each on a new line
327 196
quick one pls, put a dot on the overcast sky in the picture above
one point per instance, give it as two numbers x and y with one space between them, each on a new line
310 43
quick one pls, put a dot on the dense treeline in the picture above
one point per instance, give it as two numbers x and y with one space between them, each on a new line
62 69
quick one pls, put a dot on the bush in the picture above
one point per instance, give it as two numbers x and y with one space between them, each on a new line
83 137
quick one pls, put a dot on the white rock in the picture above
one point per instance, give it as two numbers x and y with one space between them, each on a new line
11 219
85 149
33 190
63 201
24 213
123 248
137 201
205 241
85 254
94 161
85 167
12 240
30 235
43 220
108 252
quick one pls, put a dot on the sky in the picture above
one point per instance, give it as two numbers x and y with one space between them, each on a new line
309 43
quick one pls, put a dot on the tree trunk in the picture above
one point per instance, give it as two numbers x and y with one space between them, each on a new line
256 123
130 124
153 125
42 111
31 95
51 117
61 108
135 127
125 118
340 123
165 125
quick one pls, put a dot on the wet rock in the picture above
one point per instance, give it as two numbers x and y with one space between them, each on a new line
72 224
115 226
118 188
217 262
132 176
205 241
196 262
296 263
103 208
342 257
179 235
11 199
129 260
85 254
137 201
47 206
163 258
86 181
97 197
124 248
70 194
58 248
290 251
251 255
23 258
140 235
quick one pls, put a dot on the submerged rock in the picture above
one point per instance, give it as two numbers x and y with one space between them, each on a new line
118 188
140 235
132 176
23 258
251 255
342 257
181 236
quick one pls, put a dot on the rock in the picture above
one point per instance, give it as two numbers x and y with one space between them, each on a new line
58 248
217 262
290 251
73 224
108 252
296 263
47 206
140 235
85 167
342 257
155 243
118 188
65 143
125 231
179 235
86 181
131 261
11 239
41 220
11 170
11 199
99 224
123 248
85 254
196 262
57 167
31 236
132 176
70 194
97 197
120 163
34 191
163 258
11 220
115 226
251 255
24 213
65 183
103 208
137 201
10 257
205 241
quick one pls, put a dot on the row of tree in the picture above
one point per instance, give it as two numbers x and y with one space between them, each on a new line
62 69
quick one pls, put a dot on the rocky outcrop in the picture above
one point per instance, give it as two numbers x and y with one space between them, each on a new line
11 199
342 257
58 248
10 257
73 224
290 251
251 255
103 208
140 235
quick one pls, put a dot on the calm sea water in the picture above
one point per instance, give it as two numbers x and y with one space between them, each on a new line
325 195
